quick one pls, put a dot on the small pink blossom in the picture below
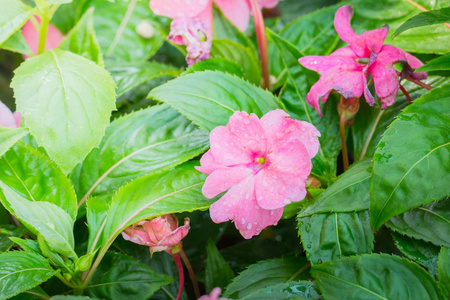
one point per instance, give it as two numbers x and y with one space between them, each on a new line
8 118
346 69
237 11
263 165
192 34
214 295
31 35
160 234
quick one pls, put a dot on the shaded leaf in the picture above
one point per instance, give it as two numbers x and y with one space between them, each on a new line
216 64
440 63
14 15
444 271
425 18
9 136
298 290
217 271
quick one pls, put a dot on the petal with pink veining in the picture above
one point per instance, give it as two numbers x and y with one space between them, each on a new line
237 11
342 24
291 157
348 83
175 237
343 58
386 82
179 8
390 54
208 164
239 204
226 150
221 180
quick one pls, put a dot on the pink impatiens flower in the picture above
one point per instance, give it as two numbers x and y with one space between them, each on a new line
31 35
347 68
192 33
160 234
8 118
237 11
214 295
263 163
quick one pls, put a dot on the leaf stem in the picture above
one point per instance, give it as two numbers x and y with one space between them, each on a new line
191 273
306 266
343 141
419 83
405 92
43 33
369 137
262 41
177 260
121 28
64 280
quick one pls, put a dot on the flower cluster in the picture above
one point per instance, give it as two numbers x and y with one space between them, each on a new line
192 33
160 234
346 69
8 118
263 163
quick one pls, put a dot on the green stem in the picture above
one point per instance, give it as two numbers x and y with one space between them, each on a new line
343 141
64 280
43 34
369 137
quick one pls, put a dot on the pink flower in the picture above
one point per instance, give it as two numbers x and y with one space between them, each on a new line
215 293
31 35
160 234
263 164
346 69
8 118
192 33
238 11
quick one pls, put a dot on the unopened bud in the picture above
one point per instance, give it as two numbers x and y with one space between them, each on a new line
349 107
313 182
84 262
145 29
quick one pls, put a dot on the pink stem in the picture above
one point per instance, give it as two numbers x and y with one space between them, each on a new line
177 260
262 41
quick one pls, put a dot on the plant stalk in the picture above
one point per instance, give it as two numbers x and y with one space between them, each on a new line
191 273
405 92
262 42
121 28
369 137
343 141
419 83
43 33
177 260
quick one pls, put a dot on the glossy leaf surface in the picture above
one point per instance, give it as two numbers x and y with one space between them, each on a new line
14 14
9 136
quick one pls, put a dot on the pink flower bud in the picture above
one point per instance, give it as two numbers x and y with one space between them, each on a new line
160 234
192 34
8 118
215 293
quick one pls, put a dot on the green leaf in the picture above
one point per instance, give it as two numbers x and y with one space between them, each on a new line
444 271
96 212
9 136
116 30
212 103
412 161
81 39
216 64
224 29
423 253
424 19
16 43
173 191
298 290
53 223
365 119
330 236
32 294
66 101
27 245
311 34
374 276
298 84
372 15
70 297
129 75
138 144
217 271
241 55
14 15
7 234
440 63
430 223
266 273
122 277
33 176
349 193
20 271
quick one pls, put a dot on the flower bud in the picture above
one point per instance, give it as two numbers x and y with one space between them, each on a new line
160 234
145 29
349 107
84 262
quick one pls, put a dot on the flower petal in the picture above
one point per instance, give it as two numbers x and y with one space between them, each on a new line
237 11
344 58
7 118
239 204
221 180
239 141
179 8
268 3
31 35
386 82
275 189
206 17
208 163
390 54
